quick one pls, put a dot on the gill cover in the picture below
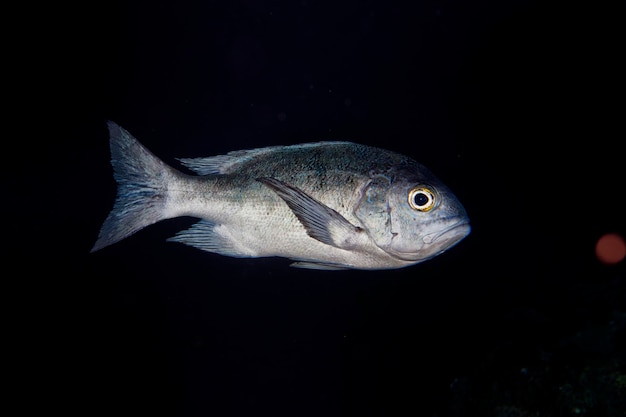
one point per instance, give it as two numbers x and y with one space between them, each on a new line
374 211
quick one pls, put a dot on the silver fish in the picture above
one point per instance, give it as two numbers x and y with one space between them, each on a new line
325 205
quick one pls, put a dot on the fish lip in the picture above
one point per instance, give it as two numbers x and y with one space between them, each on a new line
461 228
433 237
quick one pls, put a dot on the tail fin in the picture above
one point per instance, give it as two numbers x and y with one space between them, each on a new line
142 186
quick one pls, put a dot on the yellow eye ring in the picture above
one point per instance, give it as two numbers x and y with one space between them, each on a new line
422 199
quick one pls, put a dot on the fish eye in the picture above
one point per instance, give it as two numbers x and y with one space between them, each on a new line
422 198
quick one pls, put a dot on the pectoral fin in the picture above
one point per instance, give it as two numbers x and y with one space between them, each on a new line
320 221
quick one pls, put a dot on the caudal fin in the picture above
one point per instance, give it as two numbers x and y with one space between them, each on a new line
142 185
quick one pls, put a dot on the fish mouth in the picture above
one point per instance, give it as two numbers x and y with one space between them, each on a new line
437 242
452 234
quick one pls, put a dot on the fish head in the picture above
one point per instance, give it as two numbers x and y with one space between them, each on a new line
410 214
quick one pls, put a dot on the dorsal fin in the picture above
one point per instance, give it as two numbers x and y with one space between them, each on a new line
230 162
222 164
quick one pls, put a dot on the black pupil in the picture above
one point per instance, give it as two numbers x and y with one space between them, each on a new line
420 199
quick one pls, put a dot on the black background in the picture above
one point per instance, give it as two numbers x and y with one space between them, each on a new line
517 106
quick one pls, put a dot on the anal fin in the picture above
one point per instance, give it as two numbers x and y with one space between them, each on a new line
319 265
209 237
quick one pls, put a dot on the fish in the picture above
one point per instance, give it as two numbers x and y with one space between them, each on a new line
324 205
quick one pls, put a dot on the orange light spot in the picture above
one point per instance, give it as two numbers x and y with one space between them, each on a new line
611 248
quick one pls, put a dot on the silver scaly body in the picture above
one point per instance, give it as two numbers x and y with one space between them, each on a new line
326 205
